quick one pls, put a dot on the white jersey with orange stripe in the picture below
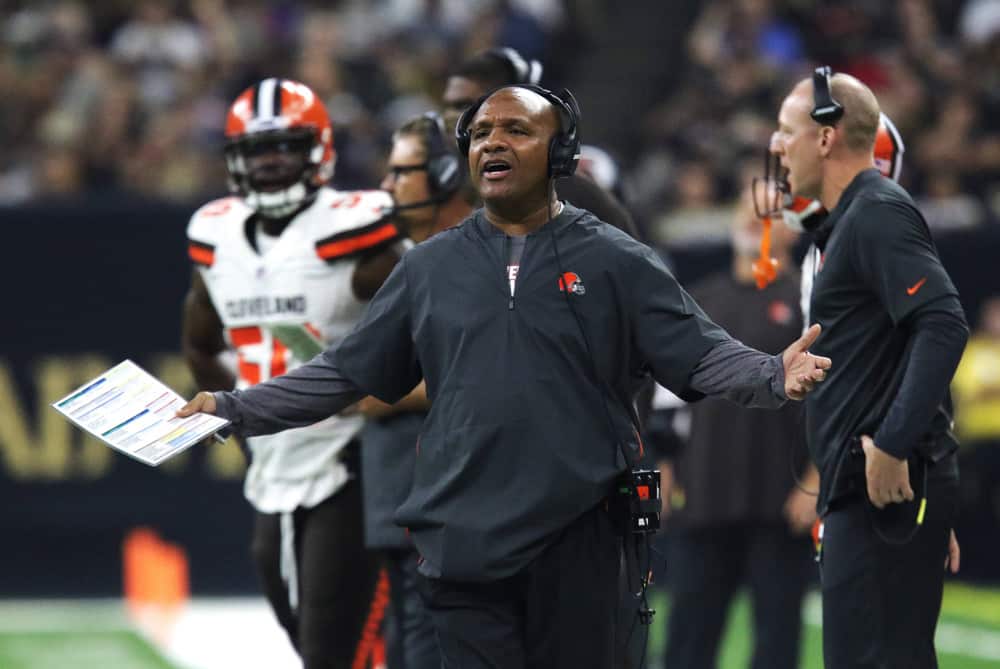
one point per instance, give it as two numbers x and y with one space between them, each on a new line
277 305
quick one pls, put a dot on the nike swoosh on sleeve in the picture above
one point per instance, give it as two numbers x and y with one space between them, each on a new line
912 290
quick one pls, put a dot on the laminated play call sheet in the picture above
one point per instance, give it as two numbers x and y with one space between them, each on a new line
133 412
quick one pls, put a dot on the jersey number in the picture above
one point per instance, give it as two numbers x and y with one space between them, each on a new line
257 350
218 207
352 200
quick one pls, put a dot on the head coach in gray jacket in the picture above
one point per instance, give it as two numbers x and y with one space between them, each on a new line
532 323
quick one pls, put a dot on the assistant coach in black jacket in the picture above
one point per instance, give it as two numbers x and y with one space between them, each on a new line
878 430
530 373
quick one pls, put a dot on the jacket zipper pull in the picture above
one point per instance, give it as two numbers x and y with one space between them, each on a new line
506 253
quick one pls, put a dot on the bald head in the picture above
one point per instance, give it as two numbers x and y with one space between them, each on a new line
821 159
529 101
861 110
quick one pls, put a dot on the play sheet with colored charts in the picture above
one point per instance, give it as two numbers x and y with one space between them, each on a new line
133 412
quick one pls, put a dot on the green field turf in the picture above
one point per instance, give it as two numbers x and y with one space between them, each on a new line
110 649
968 634
95 635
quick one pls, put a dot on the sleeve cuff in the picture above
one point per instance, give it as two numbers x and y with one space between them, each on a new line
778 378
224 409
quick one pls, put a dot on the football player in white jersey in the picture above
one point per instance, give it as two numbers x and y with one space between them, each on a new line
283 269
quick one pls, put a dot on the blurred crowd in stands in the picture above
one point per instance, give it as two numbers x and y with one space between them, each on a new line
131 96
934 65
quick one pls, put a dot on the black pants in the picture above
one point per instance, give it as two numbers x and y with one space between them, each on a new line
409 634
557 613
881 602
706 567
336 578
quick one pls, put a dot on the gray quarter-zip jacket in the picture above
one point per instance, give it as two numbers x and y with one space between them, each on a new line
522 436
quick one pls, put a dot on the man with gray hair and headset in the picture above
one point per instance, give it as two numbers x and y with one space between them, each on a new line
530 375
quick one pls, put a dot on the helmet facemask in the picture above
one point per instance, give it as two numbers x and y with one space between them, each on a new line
276 171
770 191
772 198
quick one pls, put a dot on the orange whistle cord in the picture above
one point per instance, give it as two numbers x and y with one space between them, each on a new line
765 268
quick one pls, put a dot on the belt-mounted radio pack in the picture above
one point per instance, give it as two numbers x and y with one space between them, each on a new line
638 499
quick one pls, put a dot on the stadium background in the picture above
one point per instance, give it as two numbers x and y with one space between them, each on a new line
111 122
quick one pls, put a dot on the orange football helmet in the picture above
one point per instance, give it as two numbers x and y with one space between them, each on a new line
284 118
889 149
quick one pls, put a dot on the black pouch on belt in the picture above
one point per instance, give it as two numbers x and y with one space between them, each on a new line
849 474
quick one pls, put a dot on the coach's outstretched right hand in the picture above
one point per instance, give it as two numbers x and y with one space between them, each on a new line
803 370
203 402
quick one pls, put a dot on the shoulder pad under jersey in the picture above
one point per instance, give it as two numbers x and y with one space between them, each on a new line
210 223
352 222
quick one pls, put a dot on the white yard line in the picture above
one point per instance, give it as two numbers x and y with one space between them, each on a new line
237 632
206 633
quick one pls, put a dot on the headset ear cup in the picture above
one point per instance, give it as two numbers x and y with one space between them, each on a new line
462 135
433 181
826 110
463 139
444 176
568 150
564 154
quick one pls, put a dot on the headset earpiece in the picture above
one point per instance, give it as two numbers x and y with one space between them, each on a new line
826 110
525 71
462 135
444 168
564 149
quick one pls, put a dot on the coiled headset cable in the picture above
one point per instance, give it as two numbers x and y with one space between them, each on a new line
644 614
